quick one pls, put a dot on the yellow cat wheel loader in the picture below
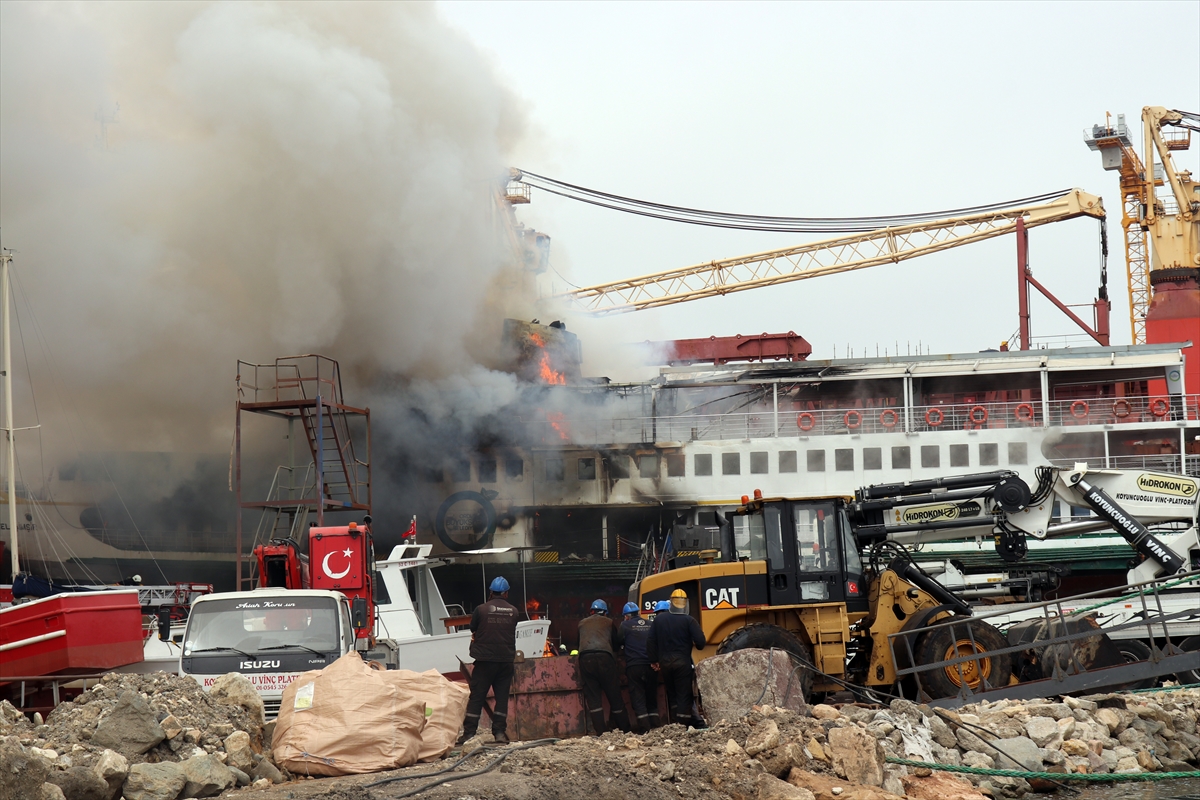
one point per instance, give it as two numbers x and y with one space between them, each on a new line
831 580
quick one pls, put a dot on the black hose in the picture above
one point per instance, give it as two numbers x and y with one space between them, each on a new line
508 751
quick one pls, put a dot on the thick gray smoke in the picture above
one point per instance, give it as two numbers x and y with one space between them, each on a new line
278 179
187 184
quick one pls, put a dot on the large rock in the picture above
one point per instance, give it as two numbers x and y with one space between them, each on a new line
237 748
939 786
765 736
154 782
265 769
113 769
235 689
771 788
81 783
856 755
51 791
730 684
206 776
21 772
1018 752
131 727
1042 730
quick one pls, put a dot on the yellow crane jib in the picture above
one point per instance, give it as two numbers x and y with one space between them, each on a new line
891 244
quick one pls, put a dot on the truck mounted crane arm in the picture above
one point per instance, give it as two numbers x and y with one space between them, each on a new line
891 244
1001 505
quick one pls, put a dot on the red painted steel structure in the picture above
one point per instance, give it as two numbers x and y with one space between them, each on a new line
70 633
305 389
1101 305
1174 316
718 350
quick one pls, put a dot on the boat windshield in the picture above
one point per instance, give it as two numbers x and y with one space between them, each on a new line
253 625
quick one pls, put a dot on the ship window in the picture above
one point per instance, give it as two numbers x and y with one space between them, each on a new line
931 455
554 469
675 465
703 464
758 463
787 460
460 470
843 459
960 455
514 469
1018 453
618 467
816 460
587 469
432 474
487 470
989 455
901 457
648 466
731 463
872 458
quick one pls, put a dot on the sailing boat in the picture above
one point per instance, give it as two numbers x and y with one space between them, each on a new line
67 633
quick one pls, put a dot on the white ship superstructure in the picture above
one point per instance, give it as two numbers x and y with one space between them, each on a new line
605 467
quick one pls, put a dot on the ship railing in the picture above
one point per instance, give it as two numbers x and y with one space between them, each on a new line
557 429
1125 410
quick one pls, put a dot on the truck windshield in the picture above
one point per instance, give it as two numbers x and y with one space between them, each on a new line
253 624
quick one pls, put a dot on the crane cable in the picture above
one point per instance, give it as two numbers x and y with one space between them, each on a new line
754 222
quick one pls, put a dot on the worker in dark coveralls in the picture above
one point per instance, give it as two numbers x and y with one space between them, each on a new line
643 680
672 637
598 668
494 648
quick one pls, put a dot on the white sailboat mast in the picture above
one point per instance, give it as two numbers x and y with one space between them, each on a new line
10 454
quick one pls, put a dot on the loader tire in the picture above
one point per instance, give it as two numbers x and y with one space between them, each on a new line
943 644
765 637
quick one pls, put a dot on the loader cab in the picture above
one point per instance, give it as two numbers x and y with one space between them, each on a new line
809 550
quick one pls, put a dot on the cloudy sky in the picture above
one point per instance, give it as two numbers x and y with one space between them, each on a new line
832 109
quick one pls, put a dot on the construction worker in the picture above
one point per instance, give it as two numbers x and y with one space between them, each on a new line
598 667
643 680
672 637
494 648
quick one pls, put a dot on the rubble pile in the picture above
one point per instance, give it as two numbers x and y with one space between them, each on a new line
1099 734
141 737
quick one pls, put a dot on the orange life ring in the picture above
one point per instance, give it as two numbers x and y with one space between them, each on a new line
1079 409
929 417
805 421
888 418
1160 407
1122 408
977 420
857 419
1023 412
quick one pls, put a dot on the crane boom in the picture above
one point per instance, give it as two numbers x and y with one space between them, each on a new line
826 257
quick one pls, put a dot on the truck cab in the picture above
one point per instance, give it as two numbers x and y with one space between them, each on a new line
269 635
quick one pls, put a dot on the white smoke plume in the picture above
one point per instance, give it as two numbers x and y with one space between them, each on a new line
190 183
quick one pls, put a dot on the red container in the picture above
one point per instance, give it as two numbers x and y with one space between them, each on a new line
71 633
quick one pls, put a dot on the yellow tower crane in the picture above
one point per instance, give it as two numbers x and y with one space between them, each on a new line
1170 221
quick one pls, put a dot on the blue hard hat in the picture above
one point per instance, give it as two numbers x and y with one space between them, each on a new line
600 605
499 585
662 605
630 608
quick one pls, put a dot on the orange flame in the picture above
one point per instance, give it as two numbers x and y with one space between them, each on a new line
557 421
547 373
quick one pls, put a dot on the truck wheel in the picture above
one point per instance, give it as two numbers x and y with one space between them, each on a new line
765 637
943 644
1189 676
1133 651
